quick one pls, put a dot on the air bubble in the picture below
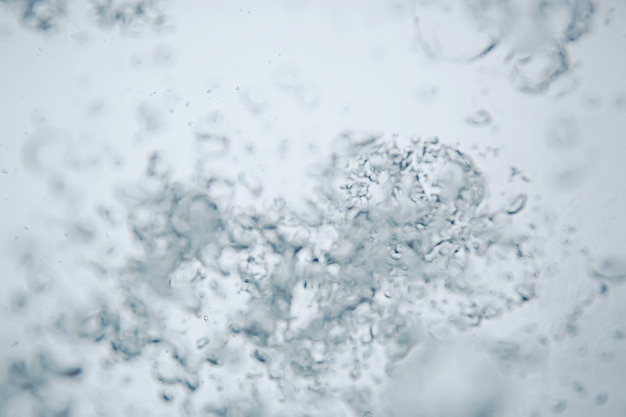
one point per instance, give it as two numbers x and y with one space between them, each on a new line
202 342
601 398
611 268
212 145
165 56
517 205
558 407
563 134
480 118
456 30
533 71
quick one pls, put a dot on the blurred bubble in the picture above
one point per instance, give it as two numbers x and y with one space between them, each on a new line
44 150
581 14
427 93
254 100
479 118
533 71
456 29
308 96
440 379
558 407
286 77
165 56
151 118
39 276
131 16
42 15
212 146
571 176
601 398
517 204
211 140
610 268
563 134
251 183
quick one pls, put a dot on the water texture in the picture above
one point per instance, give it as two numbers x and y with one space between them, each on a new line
186 245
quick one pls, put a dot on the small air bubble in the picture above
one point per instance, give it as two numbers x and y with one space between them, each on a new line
518 204
480 118
167 396
601 398
579 387
211 145
165 56
202 342
611 268
468 39
603 289
563 134
206 317
558 407
533 72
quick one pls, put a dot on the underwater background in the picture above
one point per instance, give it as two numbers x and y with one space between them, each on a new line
377 208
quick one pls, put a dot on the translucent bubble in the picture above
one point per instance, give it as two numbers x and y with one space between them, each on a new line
212 145
479 118
255 100
251 183
611 268
558 407
533 71
601 398
563 134
438 381
518 204
150 117
308 96
203 341
582 12
43 150
456 30
165 56
44 15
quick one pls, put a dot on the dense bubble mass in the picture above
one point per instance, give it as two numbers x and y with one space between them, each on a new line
398 244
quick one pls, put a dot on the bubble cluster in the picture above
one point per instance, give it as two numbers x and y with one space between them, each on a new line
535 35
128 15
42 16
398 242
